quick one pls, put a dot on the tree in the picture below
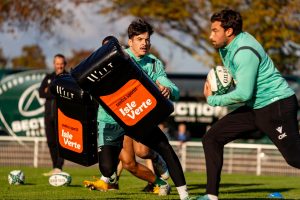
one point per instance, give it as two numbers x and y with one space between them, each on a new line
77 57
3 59
22 14
274 23
32 57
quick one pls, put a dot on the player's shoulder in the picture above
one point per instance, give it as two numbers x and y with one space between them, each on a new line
152 58
246 41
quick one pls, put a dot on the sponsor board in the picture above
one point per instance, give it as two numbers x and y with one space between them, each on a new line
198 117
21 108
191 111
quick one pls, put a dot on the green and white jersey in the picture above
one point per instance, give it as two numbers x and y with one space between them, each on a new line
155 70
258 82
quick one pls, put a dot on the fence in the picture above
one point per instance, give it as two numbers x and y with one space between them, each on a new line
256 159
259 159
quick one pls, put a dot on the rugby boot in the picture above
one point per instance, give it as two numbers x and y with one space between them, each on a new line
149 187
98 184
162 190
113 186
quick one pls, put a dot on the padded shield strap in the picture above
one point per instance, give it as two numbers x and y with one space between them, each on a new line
250 48
154 67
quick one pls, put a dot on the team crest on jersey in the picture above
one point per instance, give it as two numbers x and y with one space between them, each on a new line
281 134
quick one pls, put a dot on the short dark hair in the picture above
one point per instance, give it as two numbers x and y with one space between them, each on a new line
138 27
59 55
229 19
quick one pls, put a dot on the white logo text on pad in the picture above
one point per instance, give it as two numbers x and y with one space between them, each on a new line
131 109
68 137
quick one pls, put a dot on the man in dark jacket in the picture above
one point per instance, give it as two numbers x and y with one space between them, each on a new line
59 62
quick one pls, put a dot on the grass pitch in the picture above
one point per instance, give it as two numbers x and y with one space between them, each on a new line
240 187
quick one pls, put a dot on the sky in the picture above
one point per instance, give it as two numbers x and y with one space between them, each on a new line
93 28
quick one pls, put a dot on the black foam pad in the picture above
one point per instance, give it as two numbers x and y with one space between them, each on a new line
76 121
122 88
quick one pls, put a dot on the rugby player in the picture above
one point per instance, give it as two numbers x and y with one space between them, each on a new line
111 134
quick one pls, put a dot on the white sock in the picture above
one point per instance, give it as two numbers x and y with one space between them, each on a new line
182 191
212 197
105 179
113 178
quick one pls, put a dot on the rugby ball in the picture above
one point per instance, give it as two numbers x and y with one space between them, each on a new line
16 177
60 179
219 79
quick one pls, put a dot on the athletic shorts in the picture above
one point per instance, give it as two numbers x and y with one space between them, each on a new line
110 134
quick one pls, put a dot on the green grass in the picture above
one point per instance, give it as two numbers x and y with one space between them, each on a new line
242 187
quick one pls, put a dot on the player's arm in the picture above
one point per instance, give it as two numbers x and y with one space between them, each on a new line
247 66
44 90
167 87
207 89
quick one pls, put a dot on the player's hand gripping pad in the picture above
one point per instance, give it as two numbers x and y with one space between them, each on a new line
122 88
76 121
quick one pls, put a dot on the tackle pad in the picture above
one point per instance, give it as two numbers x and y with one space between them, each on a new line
122 88
76 121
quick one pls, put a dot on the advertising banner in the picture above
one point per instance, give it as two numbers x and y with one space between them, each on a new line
21 108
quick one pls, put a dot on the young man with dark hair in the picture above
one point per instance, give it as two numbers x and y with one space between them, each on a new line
111 135
269 104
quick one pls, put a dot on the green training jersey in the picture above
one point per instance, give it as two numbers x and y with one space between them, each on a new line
154 68
257 81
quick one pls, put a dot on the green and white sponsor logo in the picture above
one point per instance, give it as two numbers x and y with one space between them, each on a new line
21 108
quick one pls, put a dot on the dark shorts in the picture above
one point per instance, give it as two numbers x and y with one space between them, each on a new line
110 134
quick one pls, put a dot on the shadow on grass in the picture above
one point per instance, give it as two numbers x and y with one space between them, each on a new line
122 195
252 198
256 190
238 189
259 190
117 198
241 190
75 185
29 184
226 185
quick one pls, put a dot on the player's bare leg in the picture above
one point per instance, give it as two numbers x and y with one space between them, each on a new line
127 156
149 164
150 186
